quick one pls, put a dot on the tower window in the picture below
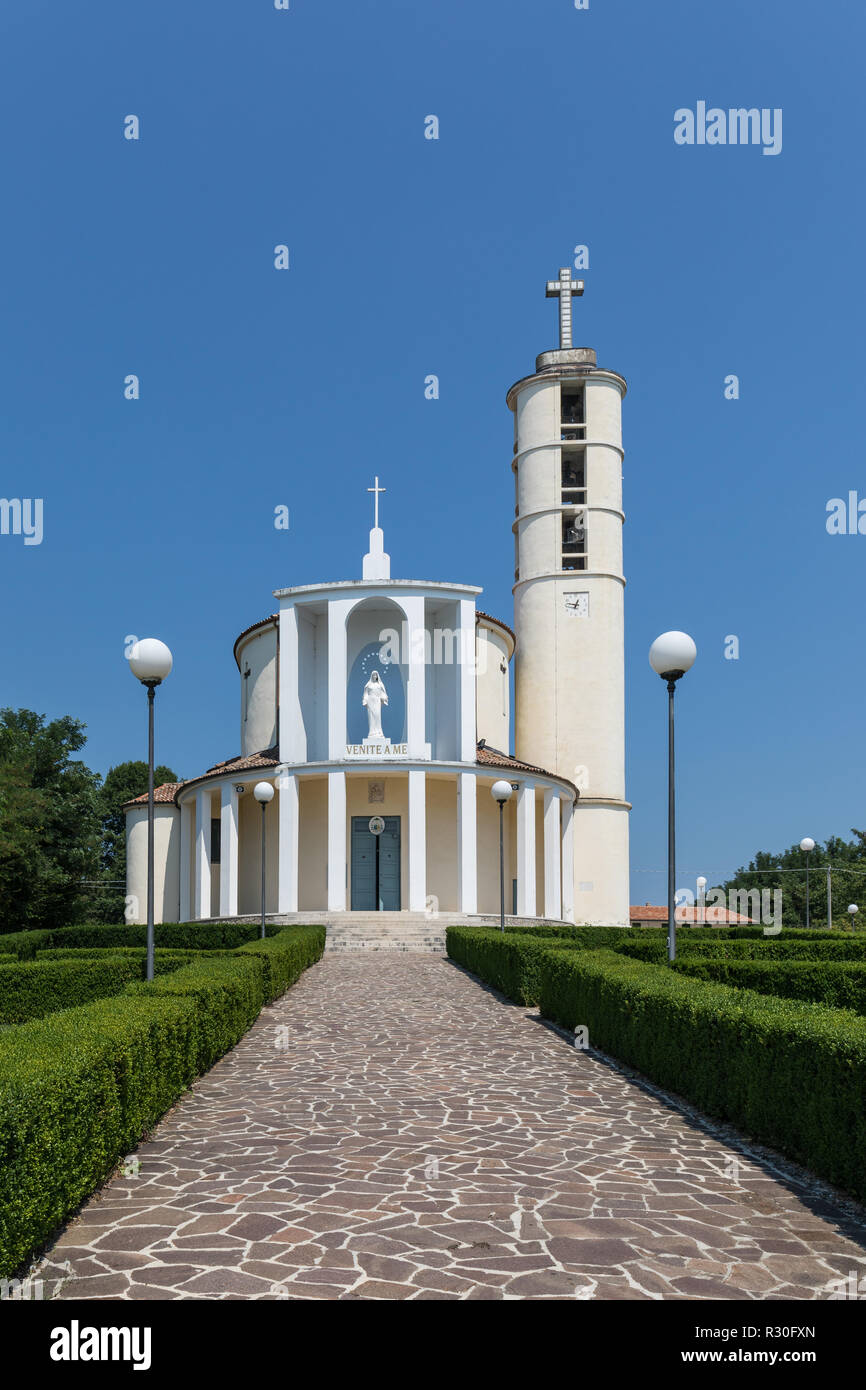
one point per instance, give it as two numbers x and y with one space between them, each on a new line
574 477
246 692
215 839
572 407
574 541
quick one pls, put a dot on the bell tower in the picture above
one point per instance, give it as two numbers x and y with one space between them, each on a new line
568 600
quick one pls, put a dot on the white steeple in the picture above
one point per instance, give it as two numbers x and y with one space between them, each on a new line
377 565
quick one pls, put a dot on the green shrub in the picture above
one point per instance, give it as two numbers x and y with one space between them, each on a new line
82 1086
286 956
839 984
790 1074
31 989
783 947
509 962
178 935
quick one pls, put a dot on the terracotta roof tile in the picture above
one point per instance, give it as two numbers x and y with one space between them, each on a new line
714 916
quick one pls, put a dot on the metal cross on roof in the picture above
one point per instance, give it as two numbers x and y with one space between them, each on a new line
377 489
563 289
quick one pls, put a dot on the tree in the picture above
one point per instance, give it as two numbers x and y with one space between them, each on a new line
122 783
49 826
787 871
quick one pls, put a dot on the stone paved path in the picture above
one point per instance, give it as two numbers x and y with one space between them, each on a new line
392 1130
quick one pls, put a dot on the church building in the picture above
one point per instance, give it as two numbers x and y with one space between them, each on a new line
379 710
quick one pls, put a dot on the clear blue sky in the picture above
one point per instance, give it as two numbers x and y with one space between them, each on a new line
408 257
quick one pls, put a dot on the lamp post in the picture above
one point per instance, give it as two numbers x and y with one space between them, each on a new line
263 793
150 662
501 792
807 845
853 909
670 656
829 898
702 900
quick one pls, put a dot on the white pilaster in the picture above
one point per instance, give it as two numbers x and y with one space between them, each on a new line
185 846
287 862
467 853
568 824
293 739
526 850
552 853
417 841
228 851
202 854
468 721
338 679
415 697
337 833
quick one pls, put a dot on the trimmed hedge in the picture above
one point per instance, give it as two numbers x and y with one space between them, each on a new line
82 1086
840 984
767 948
508 962
184 935
286 956
791 1074
32 989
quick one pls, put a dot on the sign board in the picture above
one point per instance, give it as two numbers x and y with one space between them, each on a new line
377 825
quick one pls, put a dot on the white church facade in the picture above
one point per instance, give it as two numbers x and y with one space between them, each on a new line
379 710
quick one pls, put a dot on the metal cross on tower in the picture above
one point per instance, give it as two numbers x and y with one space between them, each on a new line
563 289
377 489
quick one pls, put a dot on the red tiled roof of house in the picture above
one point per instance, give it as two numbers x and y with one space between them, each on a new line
713 916
493 757
166 792
169 790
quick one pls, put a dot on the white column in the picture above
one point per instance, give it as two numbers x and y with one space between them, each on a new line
552 853
415 694
287 859
293 739
417 841
568 824
467 842
185 838
468 719
228 850
526 850
338 678
202 854
337 839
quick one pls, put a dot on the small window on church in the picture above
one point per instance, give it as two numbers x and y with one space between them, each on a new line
215 840
246 692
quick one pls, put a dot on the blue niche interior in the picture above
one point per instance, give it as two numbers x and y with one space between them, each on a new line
368 660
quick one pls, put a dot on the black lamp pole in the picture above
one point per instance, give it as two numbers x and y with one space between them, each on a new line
264 808
501 870
673 677
151 688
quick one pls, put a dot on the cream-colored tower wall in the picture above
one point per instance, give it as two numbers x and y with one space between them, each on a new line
166 867
569 678
492 694
258 690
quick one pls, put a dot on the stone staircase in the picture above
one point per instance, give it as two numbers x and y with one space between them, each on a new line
386 931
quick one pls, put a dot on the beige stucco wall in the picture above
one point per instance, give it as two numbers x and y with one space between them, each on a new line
488 848
442 843
312 843
166 855
249 853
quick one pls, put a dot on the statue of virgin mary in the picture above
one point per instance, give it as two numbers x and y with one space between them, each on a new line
375 696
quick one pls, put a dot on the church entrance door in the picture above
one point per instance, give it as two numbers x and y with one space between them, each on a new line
375 866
